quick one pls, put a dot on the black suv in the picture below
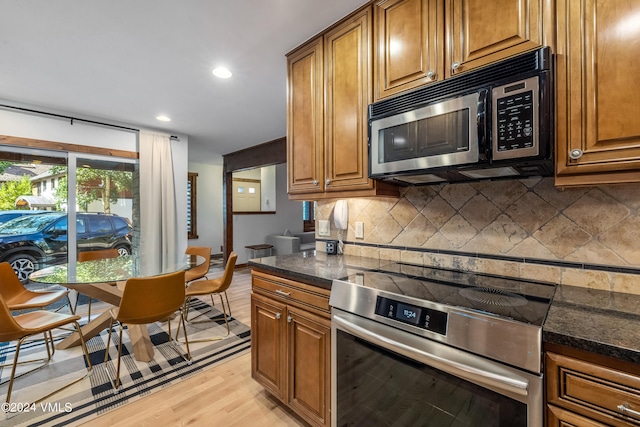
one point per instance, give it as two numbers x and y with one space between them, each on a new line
6 216
32 242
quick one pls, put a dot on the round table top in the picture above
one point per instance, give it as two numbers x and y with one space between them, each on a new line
110 270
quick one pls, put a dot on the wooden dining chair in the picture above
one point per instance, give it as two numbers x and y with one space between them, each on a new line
32 323
201 270
18 298
146 300
92 256
212 287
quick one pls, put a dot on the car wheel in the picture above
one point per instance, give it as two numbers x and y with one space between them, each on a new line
123 250
23 265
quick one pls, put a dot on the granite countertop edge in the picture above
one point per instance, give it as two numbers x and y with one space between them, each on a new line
576 318
311 279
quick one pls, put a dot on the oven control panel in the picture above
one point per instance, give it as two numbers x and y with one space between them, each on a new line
422 317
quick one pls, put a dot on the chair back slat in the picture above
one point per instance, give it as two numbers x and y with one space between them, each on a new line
151 299
202 269
100 254
10 330
227 276
10 284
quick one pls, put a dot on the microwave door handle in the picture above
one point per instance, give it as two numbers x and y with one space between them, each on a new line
482 125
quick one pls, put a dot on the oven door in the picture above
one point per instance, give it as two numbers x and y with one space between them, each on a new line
441 134
384 376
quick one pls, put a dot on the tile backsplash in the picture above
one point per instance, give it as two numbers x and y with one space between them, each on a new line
524 228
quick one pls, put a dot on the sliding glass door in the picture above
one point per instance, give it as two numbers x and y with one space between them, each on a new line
55 204
104 200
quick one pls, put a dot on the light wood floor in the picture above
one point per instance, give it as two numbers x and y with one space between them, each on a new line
221 396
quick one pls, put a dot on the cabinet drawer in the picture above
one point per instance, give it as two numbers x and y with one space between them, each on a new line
593 390
289 290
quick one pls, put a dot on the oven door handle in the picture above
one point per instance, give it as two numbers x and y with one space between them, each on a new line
481 375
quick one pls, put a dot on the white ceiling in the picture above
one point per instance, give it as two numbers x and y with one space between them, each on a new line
131 60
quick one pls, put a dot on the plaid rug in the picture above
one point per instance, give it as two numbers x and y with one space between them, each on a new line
94 395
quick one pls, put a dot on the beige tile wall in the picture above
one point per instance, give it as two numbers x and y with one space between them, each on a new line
523 219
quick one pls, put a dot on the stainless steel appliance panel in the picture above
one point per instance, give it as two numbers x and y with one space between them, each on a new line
460 142
447 383
504 340
515 119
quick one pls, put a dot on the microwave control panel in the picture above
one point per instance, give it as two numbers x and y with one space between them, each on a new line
515 110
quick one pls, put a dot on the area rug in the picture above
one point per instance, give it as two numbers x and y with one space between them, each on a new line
94 395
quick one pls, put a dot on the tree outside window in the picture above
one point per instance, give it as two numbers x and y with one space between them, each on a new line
94 185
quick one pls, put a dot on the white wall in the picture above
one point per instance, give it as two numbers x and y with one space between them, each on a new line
14 123
253 229
36 126
209 204
268 195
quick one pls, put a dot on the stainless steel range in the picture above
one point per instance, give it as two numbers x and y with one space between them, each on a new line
420 346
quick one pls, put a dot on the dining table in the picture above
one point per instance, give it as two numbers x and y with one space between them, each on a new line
105 280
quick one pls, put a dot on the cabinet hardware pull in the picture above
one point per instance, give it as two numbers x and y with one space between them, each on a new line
289 319
625 410
281 292
315 182
278 316
327 182
431 74
455 65
575 154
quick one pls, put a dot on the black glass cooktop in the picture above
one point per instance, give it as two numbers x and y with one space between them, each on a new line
515 299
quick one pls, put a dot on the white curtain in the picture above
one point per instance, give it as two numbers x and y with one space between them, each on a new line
158 210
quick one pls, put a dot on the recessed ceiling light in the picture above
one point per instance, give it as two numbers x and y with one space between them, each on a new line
222 72
163 118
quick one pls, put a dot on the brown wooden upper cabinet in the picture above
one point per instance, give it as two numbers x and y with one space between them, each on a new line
329 89
348 93
480 32
424 41
392 46
305 118
598 114
409 49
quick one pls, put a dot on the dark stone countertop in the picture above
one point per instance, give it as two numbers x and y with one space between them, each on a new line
602 322
316 269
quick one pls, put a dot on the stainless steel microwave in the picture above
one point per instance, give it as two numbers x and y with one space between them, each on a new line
495 122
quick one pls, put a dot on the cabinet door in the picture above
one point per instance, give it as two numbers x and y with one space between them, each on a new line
305 143
481 32
598 131
348 93
268 345
558 417
592 390
409 48
309 365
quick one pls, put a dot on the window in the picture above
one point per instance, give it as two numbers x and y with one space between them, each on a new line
99 225
309 216
72 180
81 228
192 223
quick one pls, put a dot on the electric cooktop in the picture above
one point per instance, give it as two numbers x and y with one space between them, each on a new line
519 300
493 316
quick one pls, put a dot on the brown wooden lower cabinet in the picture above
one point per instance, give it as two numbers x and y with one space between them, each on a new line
591 390
558 417
290 344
